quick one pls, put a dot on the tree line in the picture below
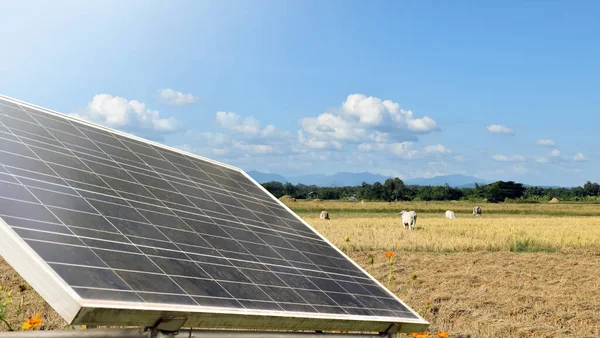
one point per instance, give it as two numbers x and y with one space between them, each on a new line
394 189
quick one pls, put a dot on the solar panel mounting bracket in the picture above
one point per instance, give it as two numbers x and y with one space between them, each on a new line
168 325
387 332
187 333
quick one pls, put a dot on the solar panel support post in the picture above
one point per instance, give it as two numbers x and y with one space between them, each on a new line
145 333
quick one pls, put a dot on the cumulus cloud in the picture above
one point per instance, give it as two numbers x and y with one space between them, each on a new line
437 149
546 142
459 158
541 159
247 126
208 138
370 147
227 119
173 97
503 158
363 132
579 157
363 119
128 115
555 152
329 126
403 150
311 142
499 129
254 148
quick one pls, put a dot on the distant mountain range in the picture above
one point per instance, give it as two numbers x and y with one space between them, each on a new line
458 181
353 179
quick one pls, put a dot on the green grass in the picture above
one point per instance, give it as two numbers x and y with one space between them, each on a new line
526 244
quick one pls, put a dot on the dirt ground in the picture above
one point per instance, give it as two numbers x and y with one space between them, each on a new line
480 294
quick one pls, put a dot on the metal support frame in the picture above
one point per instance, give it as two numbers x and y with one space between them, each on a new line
170 327
150 333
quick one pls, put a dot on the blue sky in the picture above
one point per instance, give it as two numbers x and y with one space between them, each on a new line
413 89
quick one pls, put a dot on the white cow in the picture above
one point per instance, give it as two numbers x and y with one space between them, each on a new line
477 211
450 214
324 215
409 219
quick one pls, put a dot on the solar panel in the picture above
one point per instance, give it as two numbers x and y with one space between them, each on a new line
112 229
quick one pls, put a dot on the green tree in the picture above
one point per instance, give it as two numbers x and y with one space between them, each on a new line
500 190
275 188
289 189
591 189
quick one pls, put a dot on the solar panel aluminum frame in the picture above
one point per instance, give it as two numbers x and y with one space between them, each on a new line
78 311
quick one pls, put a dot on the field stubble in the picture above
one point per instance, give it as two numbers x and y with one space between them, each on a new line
498 294
434 233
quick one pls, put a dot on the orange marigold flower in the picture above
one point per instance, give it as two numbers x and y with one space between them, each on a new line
32 322
419 334
389 254
442 334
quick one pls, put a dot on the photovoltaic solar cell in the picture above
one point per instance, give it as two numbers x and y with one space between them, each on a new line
122 219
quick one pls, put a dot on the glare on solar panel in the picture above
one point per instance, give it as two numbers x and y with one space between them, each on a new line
112 229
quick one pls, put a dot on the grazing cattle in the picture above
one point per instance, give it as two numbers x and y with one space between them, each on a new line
409 219
450 214
477 211
324 215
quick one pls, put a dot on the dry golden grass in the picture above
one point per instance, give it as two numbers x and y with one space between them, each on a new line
435 233
498 294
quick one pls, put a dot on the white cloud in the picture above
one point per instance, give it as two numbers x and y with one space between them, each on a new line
254 148
362 119
368 110
227 119
186 147
499 129
503 158
403 150
364 133
369 147
129 115
271 131
337 145
173 97
546 142
329 126
208 138
541 159
311 142
437 149
380 137
424 124
203 151
459 158
555 152
579 157
248 126
441 164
